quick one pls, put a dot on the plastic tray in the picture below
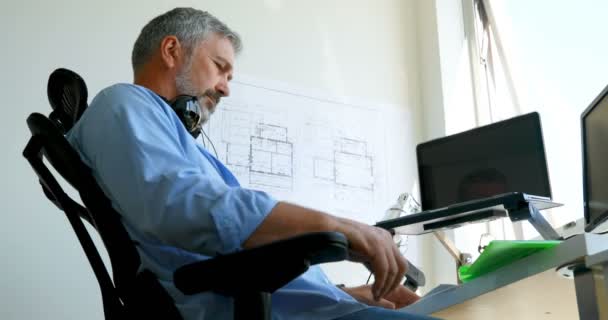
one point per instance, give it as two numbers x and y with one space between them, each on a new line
500 253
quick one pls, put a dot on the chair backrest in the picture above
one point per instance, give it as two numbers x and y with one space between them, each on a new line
131 294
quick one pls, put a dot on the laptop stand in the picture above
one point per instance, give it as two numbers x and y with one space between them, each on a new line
532 214
517 207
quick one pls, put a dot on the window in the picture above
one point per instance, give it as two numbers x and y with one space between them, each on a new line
545 56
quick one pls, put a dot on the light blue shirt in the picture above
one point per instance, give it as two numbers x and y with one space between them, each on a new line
181 205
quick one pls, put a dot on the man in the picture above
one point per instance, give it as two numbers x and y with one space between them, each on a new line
181 205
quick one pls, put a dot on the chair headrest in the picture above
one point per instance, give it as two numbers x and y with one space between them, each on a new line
67 93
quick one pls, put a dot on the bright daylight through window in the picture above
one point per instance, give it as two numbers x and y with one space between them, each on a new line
546 56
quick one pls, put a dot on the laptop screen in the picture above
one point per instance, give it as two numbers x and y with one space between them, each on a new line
595 161
506 156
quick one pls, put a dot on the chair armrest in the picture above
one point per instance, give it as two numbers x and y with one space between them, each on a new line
261 269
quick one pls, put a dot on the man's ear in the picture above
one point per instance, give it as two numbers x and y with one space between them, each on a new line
171 51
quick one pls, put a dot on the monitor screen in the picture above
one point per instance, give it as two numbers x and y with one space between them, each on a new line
506 156
594 126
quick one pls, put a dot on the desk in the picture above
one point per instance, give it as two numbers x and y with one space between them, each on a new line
531 289
546 296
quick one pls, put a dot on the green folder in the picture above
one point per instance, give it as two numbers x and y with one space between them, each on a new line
500 253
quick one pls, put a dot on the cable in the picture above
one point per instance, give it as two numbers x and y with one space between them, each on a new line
203 140
206 136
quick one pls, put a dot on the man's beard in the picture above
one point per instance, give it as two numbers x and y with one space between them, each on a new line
184 86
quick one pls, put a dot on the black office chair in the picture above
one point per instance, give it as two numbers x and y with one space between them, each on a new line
249 276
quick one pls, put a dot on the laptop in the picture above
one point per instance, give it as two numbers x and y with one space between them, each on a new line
479 175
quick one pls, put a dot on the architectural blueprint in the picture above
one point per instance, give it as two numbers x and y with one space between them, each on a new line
303 147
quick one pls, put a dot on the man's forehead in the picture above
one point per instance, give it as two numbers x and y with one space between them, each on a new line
219 46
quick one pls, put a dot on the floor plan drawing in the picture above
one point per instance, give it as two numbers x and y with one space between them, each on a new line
301 147
271 157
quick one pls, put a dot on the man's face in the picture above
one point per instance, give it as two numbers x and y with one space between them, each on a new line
206 73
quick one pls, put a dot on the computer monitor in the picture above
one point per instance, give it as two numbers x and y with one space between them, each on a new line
594 125
506 156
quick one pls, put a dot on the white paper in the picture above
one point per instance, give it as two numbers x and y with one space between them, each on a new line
304 147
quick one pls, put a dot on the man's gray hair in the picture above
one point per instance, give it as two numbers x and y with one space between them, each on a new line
190 26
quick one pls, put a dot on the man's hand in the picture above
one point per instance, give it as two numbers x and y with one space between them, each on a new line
398 298
375 248
369 245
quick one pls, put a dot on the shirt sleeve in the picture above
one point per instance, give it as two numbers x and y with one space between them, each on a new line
156 177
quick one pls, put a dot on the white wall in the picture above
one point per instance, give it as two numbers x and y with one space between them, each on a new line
355 48
446 104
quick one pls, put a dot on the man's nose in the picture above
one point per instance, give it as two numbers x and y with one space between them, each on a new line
223 88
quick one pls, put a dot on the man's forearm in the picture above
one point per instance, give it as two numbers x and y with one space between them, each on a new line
368 244
288 220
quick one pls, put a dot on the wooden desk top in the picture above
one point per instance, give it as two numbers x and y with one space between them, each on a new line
545 296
